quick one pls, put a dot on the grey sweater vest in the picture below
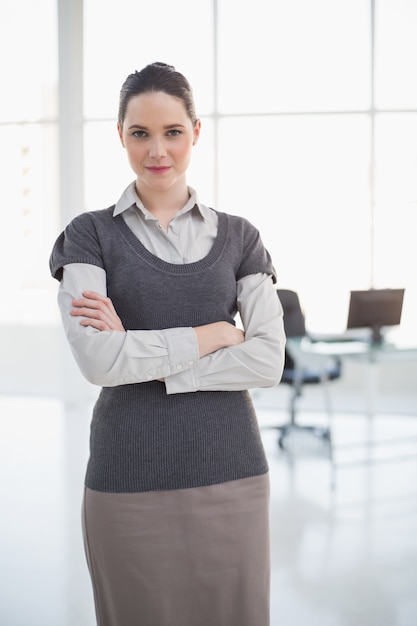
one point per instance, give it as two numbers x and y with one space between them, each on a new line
141 438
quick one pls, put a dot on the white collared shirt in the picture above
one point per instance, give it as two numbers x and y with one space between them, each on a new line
190 233
110 358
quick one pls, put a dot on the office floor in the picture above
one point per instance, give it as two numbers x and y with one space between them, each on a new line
340 557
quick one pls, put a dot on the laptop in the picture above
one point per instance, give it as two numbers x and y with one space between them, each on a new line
369 312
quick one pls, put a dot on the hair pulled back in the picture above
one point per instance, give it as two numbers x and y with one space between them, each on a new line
157 77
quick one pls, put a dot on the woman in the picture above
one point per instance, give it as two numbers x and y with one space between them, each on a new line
175 512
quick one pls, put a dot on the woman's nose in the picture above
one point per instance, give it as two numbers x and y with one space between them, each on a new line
157 148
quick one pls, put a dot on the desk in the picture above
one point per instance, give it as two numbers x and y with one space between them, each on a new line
354 348
303 351
307 353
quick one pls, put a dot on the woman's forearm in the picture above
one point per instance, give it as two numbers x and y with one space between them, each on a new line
258 361
107 355
213 337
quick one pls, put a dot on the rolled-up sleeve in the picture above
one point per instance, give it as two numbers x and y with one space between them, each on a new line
111 358
256 363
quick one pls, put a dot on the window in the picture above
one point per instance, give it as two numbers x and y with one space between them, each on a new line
28 159
293 56
123 36
303 180
395 54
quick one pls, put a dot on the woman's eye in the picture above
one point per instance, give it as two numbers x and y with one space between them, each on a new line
174 132
139 133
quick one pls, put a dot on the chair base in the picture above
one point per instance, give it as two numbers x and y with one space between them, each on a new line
320 432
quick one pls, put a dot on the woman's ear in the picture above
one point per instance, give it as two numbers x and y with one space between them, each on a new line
120 131
197 129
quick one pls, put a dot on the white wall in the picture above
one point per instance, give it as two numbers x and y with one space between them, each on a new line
38 361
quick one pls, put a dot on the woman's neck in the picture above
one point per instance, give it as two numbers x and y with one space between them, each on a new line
164 205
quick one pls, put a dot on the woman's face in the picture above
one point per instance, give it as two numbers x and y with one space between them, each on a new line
158 136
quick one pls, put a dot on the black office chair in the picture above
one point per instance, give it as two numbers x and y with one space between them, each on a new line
302 368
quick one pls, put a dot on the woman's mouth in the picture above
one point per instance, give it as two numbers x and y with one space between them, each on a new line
158 169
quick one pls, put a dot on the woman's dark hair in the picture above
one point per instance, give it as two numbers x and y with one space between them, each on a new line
157 77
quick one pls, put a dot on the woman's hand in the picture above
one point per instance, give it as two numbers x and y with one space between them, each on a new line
98 310
212 337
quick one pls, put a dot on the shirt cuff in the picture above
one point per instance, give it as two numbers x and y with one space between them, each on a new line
182 350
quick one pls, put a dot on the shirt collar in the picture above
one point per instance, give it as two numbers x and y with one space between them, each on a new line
130 198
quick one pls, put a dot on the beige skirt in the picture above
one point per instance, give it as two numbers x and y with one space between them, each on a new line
189 557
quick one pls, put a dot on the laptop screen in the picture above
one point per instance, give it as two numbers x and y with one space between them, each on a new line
375 308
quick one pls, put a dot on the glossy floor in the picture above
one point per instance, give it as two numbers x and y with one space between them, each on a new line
345 556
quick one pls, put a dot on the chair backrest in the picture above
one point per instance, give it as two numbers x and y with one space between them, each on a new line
294 326
294 321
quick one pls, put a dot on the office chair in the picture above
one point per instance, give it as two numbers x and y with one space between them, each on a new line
301 368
